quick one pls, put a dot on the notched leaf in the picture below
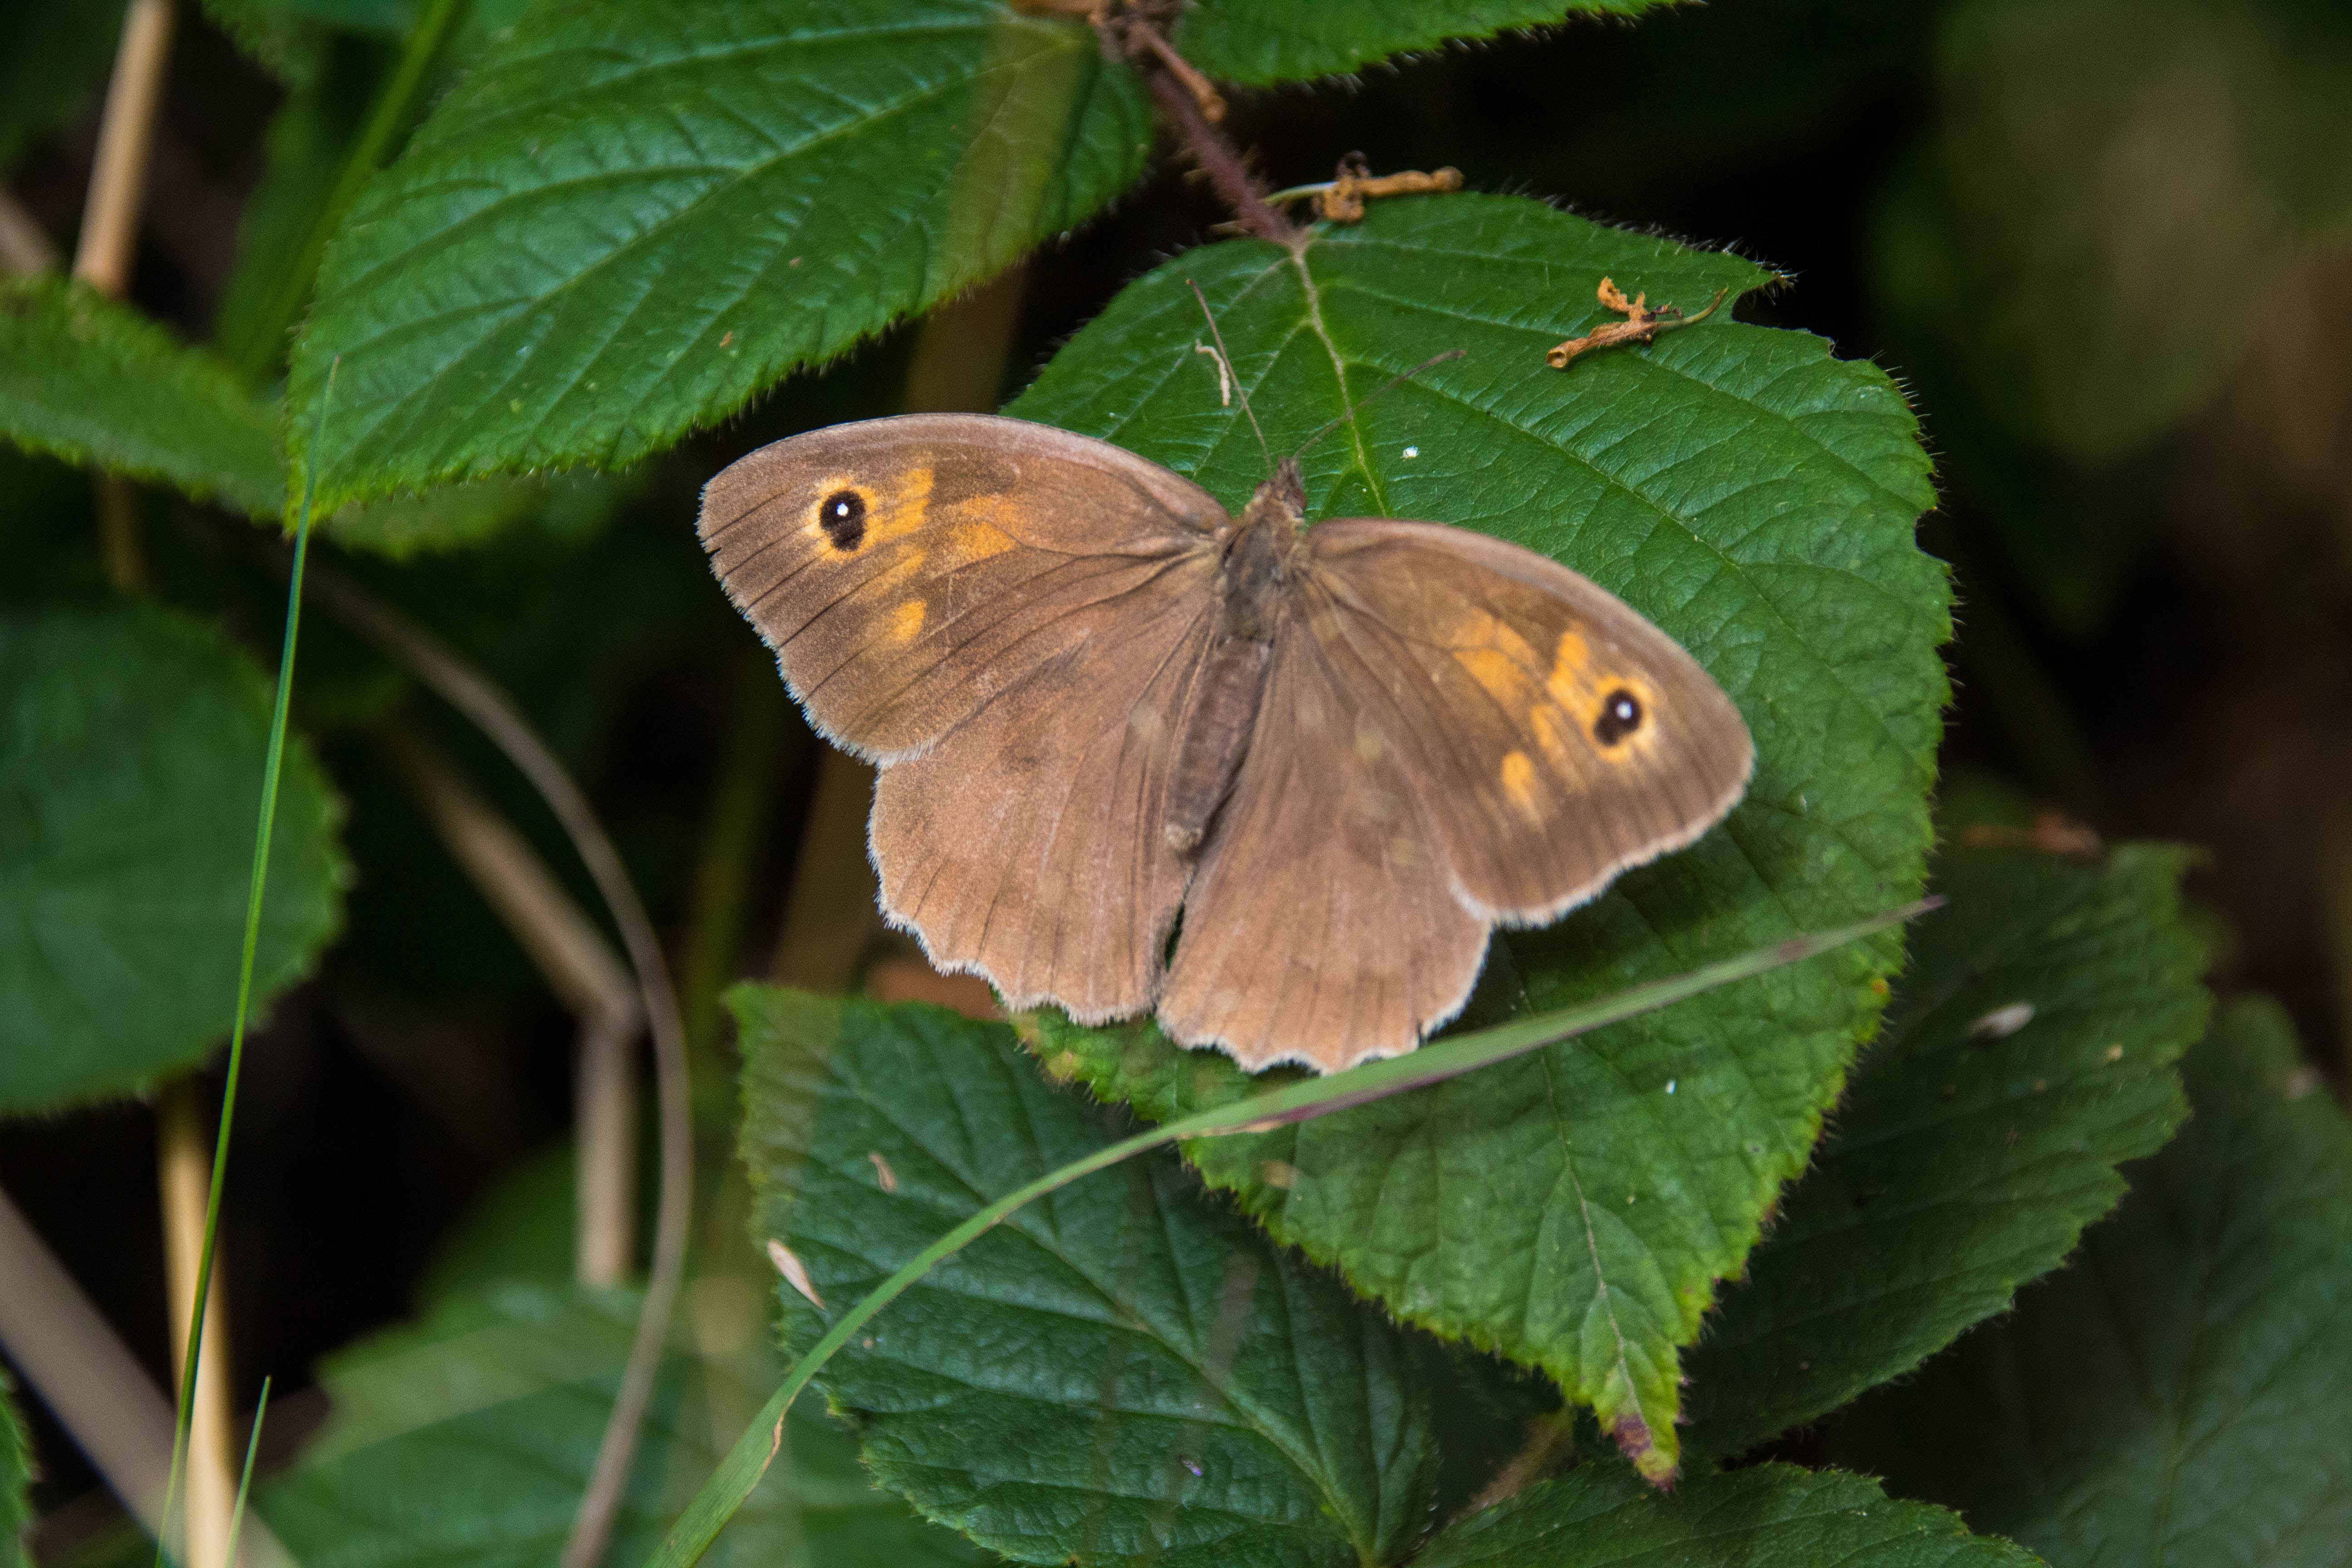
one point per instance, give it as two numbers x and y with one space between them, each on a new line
2002 1069
2181 1392
631 216
1124 1371
1755 498
134 758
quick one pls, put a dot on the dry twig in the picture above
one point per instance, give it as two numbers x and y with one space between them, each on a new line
1341 198
1640 326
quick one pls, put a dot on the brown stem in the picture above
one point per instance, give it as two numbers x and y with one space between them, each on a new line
584 974
25 245
118 178
184 1170
1204 91
110 235
1217 159
93 1384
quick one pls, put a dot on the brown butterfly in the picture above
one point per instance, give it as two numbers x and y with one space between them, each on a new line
1344 753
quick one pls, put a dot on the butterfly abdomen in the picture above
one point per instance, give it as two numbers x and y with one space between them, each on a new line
1232 679
1233 682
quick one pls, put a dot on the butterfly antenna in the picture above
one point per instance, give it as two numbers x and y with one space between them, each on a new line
1226 362
1396 379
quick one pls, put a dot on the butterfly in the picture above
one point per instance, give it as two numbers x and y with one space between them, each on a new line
1099 703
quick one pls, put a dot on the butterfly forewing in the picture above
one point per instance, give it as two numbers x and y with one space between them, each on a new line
906 570
1553 736
1457 733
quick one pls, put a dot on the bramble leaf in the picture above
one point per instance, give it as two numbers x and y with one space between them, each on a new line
632 216
1599 1517
2029 1051
1283 40
1123 1371
94 382
465 1442
2183 1392
1752 495
15 1479
54 62
131 757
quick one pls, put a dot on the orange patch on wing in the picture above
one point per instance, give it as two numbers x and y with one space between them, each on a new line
900 510
970 541
1501 676
907 622
1582 691
1518 776
1571 663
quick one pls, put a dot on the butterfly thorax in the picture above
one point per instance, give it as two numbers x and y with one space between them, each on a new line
1252 572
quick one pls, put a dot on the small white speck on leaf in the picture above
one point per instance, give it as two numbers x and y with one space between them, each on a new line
1670 1084
2003 1022
1413 451
2300 1081
1279 1174
882 1171
790 1268
2115 1054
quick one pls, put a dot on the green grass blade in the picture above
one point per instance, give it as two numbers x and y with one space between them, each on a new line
271 770
749 1459
245 1480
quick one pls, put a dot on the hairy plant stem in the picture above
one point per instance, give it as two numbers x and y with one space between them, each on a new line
1216 158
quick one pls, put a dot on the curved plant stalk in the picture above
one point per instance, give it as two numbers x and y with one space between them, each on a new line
749 1459
472 694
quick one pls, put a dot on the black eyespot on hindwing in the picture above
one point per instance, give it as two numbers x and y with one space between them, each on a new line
842 515
1620 715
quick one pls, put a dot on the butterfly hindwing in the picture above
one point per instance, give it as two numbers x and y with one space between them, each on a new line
1321 927
1027 844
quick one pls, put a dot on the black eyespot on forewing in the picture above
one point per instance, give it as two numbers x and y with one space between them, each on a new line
842 515
1620 715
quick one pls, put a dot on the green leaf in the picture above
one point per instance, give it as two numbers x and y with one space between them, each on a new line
522 1230
2182 1393
1122 1372
1755 498
1282 40
466 1440
131 758
1966 1160
1598 1517
55 60
632 216
96 382
15 1480
308 138
449 517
